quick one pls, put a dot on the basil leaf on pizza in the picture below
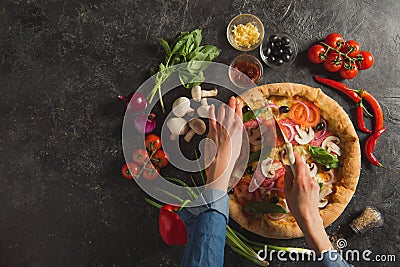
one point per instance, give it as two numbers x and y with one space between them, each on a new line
253 114
323 157
264 207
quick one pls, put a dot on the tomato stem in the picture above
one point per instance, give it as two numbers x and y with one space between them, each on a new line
345 55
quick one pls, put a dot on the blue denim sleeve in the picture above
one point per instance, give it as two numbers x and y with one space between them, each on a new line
331 258
206 226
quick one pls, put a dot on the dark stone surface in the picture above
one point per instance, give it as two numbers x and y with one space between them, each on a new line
62 64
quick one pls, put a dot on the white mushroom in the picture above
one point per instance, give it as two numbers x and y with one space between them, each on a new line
331 143
198 94
203 110
324 192
268 168
181 107
197 126
177 126
304 137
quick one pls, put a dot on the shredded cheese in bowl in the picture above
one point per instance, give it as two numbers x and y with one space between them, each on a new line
245 35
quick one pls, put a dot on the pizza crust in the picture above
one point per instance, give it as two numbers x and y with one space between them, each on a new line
346 178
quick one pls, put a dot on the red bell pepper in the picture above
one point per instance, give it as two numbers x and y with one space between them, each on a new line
172 229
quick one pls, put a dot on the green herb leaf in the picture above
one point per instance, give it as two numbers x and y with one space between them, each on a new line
189 79
323 157
252 114
264 207
165 45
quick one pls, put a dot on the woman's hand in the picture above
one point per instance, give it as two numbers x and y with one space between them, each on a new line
302 196
226 133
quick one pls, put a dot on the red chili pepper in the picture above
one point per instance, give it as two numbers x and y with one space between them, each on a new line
352 94
370 146
378 113
172 229
360 119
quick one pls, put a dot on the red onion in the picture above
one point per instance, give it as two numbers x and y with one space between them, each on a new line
306 107
145 123
323 131
292 131
135 101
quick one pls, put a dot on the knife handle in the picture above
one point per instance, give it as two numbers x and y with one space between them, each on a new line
291 158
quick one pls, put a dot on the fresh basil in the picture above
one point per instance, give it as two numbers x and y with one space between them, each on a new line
323 157
252 114
264 207
256 156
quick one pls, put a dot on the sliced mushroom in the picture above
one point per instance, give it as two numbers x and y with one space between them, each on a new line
313 169
268 167
304 137
181 107
204 108
177 126
197 126
330 144
198 94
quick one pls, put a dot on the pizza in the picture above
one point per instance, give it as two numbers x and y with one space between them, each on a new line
320 131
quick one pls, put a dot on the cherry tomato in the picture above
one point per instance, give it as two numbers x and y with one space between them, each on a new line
335 40
153 142
333 62
160 159
316 53
241 191
351 48
299 114
367 61
349 72
150 172
130 170
140 156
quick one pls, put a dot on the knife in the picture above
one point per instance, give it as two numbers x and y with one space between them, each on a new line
288 148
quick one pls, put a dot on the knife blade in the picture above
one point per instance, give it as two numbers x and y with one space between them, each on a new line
287 146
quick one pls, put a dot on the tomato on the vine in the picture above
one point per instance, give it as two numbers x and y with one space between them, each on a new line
150 171
160 159
153 142
130 170
367 60
316 53
333 62
140 156
334 40
349 71
351 48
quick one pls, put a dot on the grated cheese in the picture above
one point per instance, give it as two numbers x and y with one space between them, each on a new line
245 35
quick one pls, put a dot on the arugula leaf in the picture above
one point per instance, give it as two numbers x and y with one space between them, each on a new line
165 45
264 207
252 114
323 157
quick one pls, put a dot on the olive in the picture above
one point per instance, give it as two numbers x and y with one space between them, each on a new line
284 109
326 168
320 126
267 51
288 50
285 40
281 51
274 38
245 109
286 57
278 43
250 169
278 62
231 191
275 52
271 45
271 59
274 200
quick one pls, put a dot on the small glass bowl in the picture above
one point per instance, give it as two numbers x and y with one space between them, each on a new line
244 19
241 79
267 44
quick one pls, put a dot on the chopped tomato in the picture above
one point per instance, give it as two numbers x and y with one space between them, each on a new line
305 113
280 184
241 191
